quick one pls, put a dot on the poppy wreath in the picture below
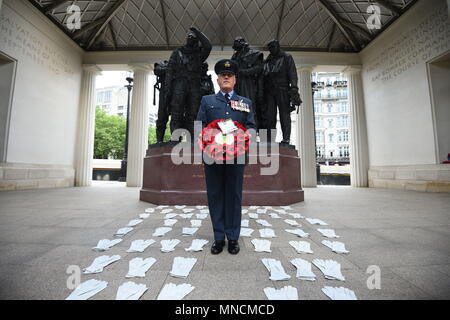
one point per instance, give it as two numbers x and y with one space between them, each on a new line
220 147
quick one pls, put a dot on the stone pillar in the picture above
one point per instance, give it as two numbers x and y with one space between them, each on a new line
86 127
305 133
359 153
138 130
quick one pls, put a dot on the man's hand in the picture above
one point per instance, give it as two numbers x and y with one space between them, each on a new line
194 29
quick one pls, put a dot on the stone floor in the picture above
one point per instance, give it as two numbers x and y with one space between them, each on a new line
405 233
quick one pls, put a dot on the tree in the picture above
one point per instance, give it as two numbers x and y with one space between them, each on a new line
152 134
109 135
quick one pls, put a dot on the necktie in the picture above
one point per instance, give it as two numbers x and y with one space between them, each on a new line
227 97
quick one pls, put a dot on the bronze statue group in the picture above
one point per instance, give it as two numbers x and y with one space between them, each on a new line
271 84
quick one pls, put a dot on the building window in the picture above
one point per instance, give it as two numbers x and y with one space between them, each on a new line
320 151
343 136
317 108
343 107
319 136
343 121
330 108
318 122
331 138
330 123
120 108
344 152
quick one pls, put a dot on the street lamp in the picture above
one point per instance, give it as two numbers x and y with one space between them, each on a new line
123 169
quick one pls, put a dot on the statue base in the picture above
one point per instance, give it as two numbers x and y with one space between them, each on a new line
166 183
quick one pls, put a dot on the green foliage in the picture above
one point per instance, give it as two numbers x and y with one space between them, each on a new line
109 135
152 134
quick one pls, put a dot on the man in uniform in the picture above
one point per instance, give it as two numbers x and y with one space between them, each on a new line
183 80
281 89
248 81
224 181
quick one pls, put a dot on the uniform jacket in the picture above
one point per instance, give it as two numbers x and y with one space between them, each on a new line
215 107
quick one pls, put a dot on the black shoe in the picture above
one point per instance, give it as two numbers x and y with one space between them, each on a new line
217 246
233 246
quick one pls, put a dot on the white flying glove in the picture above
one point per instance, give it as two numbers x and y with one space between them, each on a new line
253 215
87 289
298 232
137 267
166 211
144 215
261 245
246 232
180 207
286 207
339 293
134 223
254 207
170 215
301 246
329 233
200 207
330 269
189 231
161 207
292 223
316 221
280 211
201 215
123 231
263 223
244 223
197 245
186 215
187 210
244 211
274 216
169 245
161 231
150 210
130 291
303 269
182 266
140 245
296 215
262 211
267 233
276 269
335 246
170 222
204 211
175 292
100 263
268 207
106 244
285 293
196 223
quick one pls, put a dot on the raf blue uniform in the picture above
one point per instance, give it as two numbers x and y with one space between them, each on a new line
224 181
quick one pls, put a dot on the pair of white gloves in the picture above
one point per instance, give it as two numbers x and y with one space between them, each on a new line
316 221
276 269
301 246
170 222
140 245
244 223
253 215
274 216
330 269
100 263
189 231
298 232
296 215
123 231
262 245
169 245
144 215
137 267
106 244
196 223
329 233
161 231
285 293
182 266
264 223
87 289
130 291
134 223
246 232
201 216
267 233
172 291
335 246
292 223
197 245
304 271
339 293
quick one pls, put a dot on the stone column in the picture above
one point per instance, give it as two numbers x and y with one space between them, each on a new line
305 132
359 153
138 131
86 127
